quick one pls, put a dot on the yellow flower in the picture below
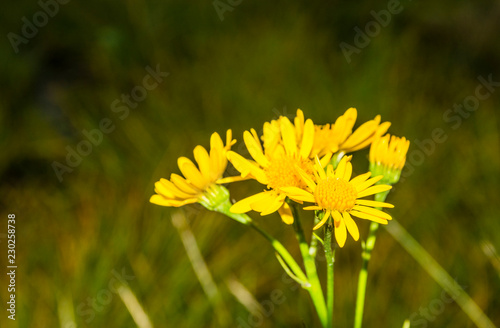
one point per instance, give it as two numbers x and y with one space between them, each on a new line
338 196
388 157
286 148
338 137
199 184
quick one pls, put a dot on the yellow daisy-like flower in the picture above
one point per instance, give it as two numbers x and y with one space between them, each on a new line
199 184
286 148
335 193
388 157
338 137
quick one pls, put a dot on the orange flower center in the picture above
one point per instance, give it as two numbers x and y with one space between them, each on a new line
282 172
335 194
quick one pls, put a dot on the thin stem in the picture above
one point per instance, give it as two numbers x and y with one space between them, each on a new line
315 290
283 253
224 208
439 274
289 272
330 259
313 246
363 274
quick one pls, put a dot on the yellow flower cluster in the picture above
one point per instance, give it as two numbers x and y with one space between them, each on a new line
198 183
300 161
388 156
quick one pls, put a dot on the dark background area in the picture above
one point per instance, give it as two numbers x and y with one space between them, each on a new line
260 61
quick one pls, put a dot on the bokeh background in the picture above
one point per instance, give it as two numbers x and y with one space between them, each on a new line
237 69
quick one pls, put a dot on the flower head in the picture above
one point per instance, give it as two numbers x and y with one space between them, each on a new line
338 196
388 157
338 137
199 184
286 148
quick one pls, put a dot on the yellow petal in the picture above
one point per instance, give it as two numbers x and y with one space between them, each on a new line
216 141
183 185
312 208
374 190
365 131
271 136
245 167
362 186
326 159
348 171
337 217
366 216
330 172
256 137
232 179
239 162
191 173
360 178
299 124
307 139
323 221
203 160
160 200
307 178
274 206
243 205
288 135
378 148
351 226
229 139
343 125
286 213
340 129
218 158
168 189
218 162
319 169
372 211
373 203
269 199
162 189
382 128
255 149
341 233
296 193
340 171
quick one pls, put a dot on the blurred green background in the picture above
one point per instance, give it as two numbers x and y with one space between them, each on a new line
259 61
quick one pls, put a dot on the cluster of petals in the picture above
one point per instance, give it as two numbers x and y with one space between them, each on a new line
197 181
293 160
287 148
389 151
338 196
339 137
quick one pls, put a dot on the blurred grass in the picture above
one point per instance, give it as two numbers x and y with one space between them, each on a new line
260 62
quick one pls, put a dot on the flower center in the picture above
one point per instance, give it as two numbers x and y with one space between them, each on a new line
335 194
282 172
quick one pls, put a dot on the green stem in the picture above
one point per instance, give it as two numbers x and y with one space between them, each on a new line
313 245
439 274
278 247
315 290
283 252
363 274
330 259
